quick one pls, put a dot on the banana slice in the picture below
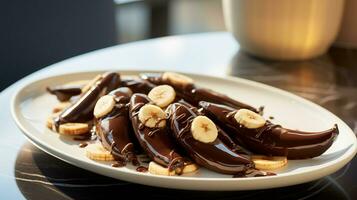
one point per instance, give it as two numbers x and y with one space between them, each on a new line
103 106
157 169
269 163
91 83
79 83
176 78
203 129
249 119
49 121
189 168
73 128
61 106
162 95
96 151
152 116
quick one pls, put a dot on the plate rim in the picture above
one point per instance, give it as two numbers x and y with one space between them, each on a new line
332 166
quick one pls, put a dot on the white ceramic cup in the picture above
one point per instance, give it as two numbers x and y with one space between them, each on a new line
284 29
347 37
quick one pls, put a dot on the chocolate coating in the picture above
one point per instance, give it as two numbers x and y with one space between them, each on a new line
226 139
193 94
156 141
64 93
272 139
122 95
216 156
82 109
203 94
114 129
138 85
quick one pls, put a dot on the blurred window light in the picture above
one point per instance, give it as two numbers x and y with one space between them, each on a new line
125 1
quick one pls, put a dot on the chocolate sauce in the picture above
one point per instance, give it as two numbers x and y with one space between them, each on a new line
216 156
156 141
142 169
272 139
118 164
85 137
82 145
64 92
135 162
253 173
271 117
114 128
82 110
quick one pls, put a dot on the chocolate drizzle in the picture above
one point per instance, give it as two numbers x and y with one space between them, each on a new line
151 133
216 156
272 139
155 141
231 114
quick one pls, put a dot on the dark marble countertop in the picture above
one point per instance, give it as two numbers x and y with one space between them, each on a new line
330 81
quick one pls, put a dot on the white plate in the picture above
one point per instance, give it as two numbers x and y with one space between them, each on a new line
31 105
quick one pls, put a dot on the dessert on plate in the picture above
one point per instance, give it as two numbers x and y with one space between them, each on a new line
165 124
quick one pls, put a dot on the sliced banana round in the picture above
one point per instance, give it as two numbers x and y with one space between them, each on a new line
157 169
189 168
77 83
104 105
61 106
249 119
73 128
96 151
203 129
176 78
152 116
90 83
162 95
269 162
49 122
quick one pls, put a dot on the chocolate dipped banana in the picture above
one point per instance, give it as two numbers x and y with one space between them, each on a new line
113 125
198 135
65 92
262 136
149 124
193 94
81 111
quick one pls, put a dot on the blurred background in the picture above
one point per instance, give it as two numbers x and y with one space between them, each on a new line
38 33
43 32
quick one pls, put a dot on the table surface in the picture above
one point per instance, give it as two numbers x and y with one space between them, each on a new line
330 81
